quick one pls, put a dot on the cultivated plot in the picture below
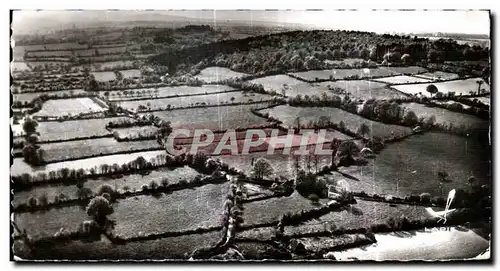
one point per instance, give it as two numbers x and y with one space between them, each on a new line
63 107
459 87
363 89
217 74
401 79
339 74
162 92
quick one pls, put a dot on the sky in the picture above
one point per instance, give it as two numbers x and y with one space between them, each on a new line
469 22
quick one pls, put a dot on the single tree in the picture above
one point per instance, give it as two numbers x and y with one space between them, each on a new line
364 129
432 89
262 168
98 208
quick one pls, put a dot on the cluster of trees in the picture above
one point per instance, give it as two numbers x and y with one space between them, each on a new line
44 84
32 152
297 50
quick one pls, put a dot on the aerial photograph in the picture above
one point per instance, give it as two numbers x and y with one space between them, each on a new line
250 135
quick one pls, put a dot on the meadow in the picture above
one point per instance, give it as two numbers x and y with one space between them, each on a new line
401 79
363 89
62 107
339 74
460 87
162 92
30 96
217 74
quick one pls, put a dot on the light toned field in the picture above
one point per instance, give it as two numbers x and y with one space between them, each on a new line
412 166
339 74
19 166
408 70
133 181
463 87
349 61
447 117
55 130
363 89
181 210
211 99
133 132
62 107
293 87
485 100
288 115
215 118
89 147
401 79
161 92
134 73
28 97
216 74
439 75
432 244
104 76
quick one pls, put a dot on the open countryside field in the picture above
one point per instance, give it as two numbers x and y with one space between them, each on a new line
19 166
217 74
92 147
216 118
339 74
211 99
108 76
289 114
363 89
134 182
162 92
447 117
412 166
460 87
71 129
29 97
401 79
359 215
62 107
438 75
186 209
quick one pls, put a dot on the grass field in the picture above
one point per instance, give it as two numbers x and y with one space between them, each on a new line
216 74
134 132
411 166
444 116
70 129
28 97
288 115
273 209
339 74
211 99
103 76
181 210
360 215
89 147
363 89
162 92
277 82
45 224
439 75
401 79
458 86
133 181
215 118
19 166
75 106
485 100
408 70
159 249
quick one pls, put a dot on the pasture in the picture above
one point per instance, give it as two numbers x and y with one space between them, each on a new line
181 210
72 129
134 182
401 79
289 115
438 75
77 149
62 107
104 76
409 70
460 87
19 166
201 100
446 117
412 166
215 118
291 87
30 96
217 74
363 89
163 92
339 74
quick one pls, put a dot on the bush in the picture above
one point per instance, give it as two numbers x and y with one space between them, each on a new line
313 197
106 188
43 200
32 202
99 207
164 182
144 187
425 197
153 185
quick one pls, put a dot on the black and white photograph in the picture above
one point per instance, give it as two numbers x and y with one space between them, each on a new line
284 135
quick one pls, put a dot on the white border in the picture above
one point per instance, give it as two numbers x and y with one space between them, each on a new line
201 4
